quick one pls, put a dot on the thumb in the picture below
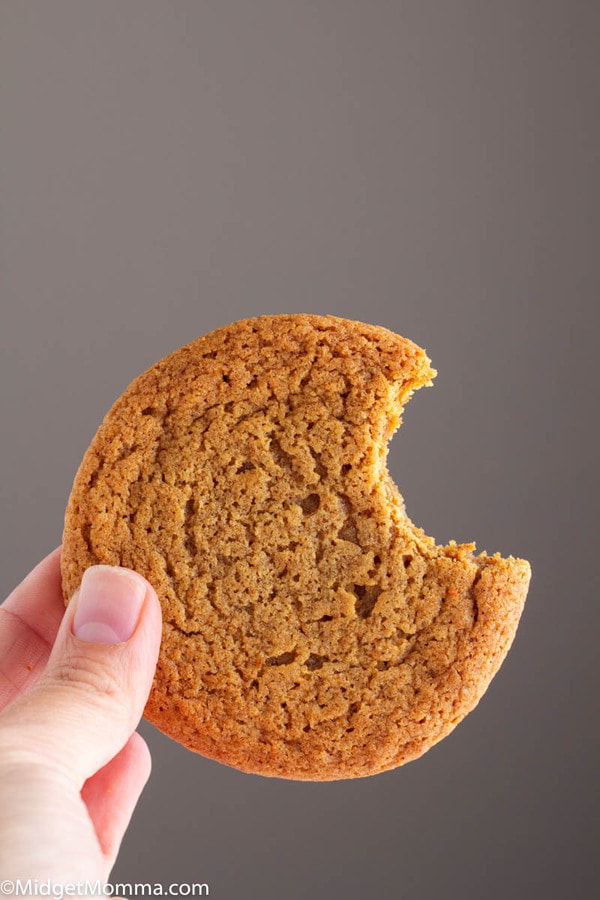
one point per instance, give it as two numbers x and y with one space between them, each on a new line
92 693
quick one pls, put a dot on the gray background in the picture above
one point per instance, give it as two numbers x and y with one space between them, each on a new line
168 167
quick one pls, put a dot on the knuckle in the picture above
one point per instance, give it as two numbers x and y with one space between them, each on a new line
92 676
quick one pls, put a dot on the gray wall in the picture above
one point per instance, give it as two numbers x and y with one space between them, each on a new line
168 167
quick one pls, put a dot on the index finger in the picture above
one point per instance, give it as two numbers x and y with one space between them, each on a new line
29 620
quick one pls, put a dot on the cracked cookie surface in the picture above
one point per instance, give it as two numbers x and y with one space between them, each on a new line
310 630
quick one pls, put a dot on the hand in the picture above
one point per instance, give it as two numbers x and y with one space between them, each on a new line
73 686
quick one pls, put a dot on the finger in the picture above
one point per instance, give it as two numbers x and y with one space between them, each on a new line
29 621
92 693
112 793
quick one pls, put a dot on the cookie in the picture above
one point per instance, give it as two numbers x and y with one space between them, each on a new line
311 631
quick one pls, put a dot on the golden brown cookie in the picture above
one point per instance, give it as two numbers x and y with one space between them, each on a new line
311 631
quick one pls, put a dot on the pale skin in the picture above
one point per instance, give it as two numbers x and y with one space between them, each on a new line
73 685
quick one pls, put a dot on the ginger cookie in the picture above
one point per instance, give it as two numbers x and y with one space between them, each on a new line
311 631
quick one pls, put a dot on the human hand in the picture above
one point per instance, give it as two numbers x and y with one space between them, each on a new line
73 686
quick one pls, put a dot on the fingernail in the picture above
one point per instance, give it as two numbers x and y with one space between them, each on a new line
109 605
